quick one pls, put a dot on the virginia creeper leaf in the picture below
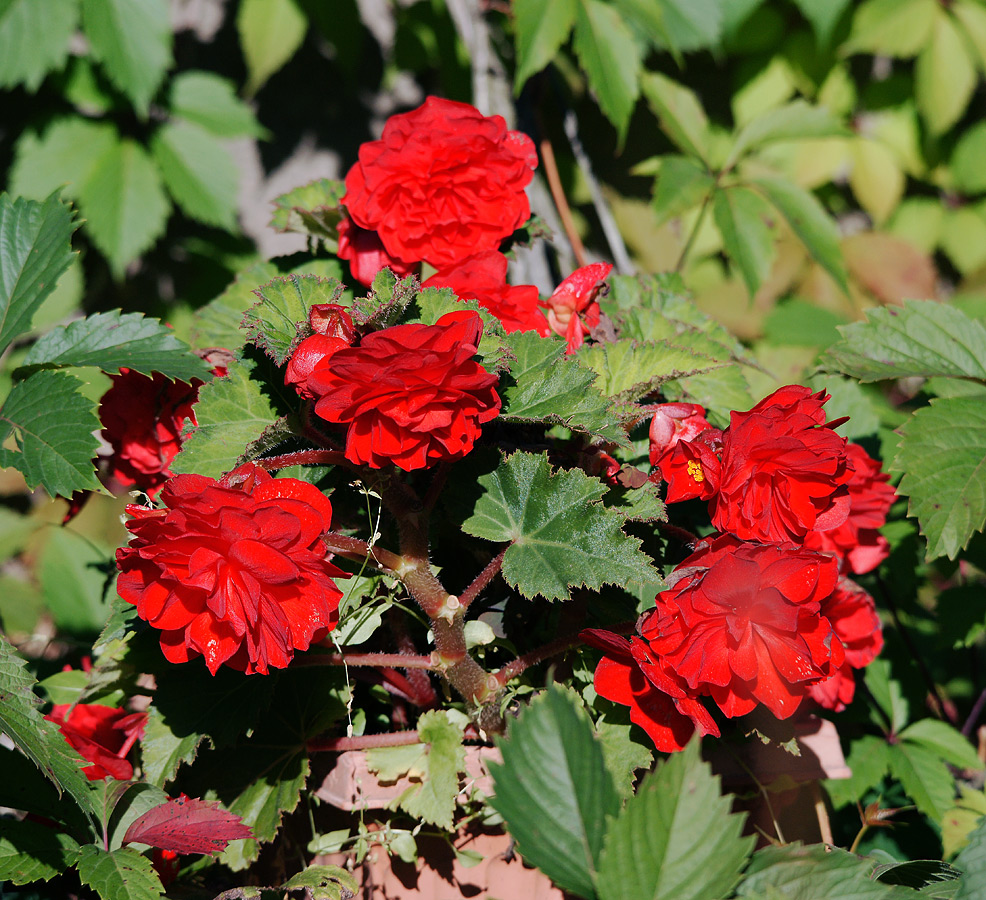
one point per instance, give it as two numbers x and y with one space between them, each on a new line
682 184
692 24
924 776
541 27
270 33
824 15
892 27
119 875
210 101
796 121
30 851
948 742
34 39
945 75
680 113
187 825
740 216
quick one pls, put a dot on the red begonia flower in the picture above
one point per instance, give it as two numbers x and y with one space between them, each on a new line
623 676
442 183
233 570
334 330
411 395
742 624
673 422
691 469
572 308
101 734
854 619
857 541
784 470
483 278
142 419
367 255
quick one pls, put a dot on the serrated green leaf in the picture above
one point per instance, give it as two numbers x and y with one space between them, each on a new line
809 221
132 39
942 454
675 837
55 451
609 55
629 370
740 215
719 391
796 121
40 740
30 851
646 19
270 32
119 875
887 694
680 113
892 27
816 872
541 27
824 15
34 39
35 249
641 504
682 184
313 209
199 173
945 76
233 412
209 100
324 882
556 813
948 742
692 24
915 873
113 340
217 324
925 778
972 863
545 385
560 535
443 758
922 338
869 761
273 323
623 755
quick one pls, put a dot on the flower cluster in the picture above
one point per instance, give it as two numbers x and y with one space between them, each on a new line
758 614
233 570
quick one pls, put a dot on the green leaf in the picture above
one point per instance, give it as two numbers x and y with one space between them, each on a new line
972 863
682 184
273 323
892 27
233 413
916 873
675 838
796 121
324 882
132 39
208 100
680 113
972 18
55 451
556 813
119 875
35 249
887 695
541 27
922 338
270 33
809 221
942 454
545 385
313 209
39 739
608 54
824 15
966 165
816 872
74 575
869 761
114 340
30 851
740 216
217 324
34 39
66 153
925 778
961 820
623 755
945 76
560 535
692 24
199 173
948 742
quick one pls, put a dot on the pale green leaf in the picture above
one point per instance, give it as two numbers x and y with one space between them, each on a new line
740 215
73 575
692 24
556 813
541 27
796 121
676 837
945 76
545 385
972 863
199 173
443 758
31 851
948 742
53 425
961 820
35 249
682 184
270 33
876 178
886 693
34 39
325 882
114 340
560 535
609 55
809 221
925 778
273 323
892 27
680 113
942 454
132 39
208 100
824 15
313 209
972 18
967 160
119 875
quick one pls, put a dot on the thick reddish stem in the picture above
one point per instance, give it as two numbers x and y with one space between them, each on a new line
355 549
378 660
303 458
482 579
363 742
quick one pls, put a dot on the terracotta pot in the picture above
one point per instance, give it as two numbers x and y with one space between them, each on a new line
437 874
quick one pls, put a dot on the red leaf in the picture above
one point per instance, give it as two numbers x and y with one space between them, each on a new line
187 825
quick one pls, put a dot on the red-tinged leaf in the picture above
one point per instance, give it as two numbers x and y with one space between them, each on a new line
187 825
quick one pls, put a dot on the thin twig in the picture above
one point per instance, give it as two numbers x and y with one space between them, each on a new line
512 669
362 742
974 714
694 233
561 202
482 579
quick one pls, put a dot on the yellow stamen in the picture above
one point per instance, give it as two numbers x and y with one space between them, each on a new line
694 468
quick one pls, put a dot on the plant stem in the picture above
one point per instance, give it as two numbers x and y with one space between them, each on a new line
681 535
695 229
516 667
561 202
360 551
974 714
362 742
303 458
377 660
482 579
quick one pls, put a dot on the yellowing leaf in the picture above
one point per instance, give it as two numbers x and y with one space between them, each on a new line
876 178
892 27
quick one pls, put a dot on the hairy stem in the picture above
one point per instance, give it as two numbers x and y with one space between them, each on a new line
303 458
358 551
362 742
482 579
376 660
516 667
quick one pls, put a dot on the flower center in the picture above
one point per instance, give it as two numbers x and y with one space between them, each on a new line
694 469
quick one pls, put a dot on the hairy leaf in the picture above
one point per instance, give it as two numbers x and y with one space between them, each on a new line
324 882
560 535
313 209
119 875
972 863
